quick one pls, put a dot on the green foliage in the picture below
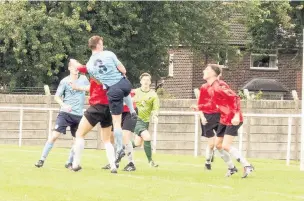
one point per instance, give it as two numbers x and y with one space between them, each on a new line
253 96
37 38
273 24
35 42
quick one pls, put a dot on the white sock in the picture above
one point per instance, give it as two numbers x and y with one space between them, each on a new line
110 154
237 155
226 157
78 148
129 151
209 154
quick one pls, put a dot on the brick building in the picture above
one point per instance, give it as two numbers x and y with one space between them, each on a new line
281 68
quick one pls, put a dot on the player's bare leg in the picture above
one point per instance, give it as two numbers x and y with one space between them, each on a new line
209 152
106 135
227 142
83 128
225 156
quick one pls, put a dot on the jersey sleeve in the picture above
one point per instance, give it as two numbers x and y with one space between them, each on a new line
82 69
201 103
60 89
115 59
224 91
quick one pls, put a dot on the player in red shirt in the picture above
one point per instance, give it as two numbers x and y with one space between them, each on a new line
98 112
228 103
128 125
210 118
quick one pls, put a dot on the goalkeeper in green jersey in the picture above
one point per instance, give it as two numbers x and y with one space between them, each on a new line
147 103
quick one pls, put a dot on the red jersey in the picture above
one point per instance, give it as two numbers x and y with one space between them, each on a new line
97 94
125 107
227 101
204 101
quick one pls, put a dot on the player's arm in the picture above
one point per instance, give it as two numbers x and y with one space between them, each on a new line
82 69
58 96
155 109
224 91
121 68
85 86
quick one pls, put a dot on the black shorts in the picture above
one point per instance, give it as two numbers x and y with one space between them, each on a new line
99 114
127 123
211 127
228 130
116 93
64 120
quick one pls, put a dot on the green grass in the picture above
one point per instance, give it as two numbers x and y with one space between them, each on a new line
177 178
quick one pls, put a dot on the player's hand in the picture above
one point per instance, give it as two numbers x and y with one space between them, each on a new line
204 120
66 107
236 120
155 119
194 107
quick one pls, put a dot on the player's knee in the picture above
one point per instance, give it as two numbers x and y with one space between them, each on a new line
226 147
218 146
211 146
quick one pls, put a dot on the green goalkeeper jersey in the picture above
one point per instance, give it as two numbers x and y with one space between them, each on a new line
146 103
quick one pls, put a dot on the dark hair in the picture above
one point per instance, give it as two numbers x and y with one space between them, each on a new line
93 41
216 68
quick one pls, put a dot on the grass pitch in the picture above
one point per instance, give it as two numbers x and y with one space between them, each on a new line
178 178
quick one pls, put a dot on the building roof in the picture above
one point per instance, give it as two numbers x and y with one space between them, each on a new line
264 84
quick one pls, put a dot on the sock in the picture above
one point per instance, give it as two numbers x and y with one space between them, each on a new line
148 150
237 155
118 139
128 101
209 154
110 154
78 148
46 150
71 156
226 157
129 151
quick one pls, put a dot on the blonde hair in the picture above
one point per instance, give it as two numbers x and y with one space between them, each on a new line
93 41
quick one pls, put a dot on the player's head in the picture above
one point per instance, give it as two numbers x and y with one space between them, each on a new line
73 64
212 71
96 43
145 80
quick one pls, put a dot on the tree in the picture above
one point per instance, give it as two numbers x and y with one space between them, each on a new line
35 42
273 24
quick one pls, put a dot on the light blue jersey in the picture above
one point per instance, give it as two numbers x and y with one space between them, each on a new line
72 97
103 67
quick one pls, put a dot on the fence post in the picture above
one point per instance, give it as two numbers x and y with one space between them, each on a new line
48 100
289 140
196 135
297 123
154 136
248 123
20 127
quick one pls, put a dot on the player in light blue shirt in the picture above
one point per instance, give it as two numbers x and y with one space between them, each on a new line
104 67
72 104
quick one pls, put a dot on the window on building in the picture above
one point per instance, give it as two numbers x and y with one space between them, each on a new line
171 65
262 61
223 58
